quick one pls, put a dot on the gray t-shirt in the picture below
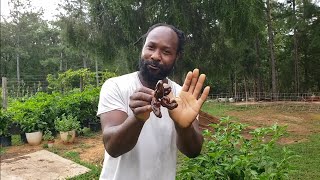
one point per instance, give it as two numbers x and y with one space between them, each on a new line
154 156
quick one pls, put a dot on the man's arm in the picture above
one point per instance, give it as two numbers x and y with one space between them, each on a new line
120 131
189 140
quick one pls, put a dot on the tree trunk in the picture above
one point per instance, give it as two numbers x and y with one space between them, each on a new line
296 65
97 75
61 56
271 49
258 64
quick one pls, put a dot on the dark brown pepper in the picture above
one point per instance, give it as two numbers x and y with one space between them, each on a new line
161 99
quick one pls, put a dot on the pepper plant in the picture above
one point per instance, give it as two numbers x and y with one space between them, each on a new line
228 154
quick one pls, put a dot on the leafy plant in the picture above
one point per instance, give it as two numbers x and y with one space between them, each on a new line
66 123
47 136
5 121
227 154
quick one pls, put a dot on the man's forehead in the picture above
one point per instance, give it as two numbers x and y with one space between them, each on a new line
164 33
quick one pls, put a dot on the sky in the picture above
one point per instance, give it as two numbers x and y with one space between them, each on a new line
49 7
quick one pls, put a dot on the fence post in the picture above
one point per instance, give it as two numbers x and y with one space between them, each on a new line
4 93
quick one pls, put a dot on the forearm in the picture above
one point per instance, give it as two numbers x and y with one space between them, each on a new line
189 140
122 138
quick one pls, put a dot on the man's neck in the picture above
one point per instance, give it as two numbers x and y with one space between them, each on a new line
147 83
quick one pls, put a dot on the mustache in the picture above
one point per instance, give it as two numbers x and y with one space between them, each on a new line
153 63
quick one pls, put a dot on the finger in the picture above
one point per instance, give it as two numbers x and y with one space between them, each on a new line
195 75
141 110
204 95
199 86
145 90
141 96
136 104
187 81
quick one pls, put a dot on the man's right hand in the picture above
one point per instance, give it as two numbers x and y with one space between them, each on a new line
140 103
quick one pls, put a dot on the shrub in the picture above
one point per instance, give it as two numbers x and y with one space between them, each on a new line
66 123
228 155
5 122
47 136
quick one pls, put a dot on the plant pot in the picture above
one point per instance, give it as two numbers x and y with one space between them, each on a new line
68 137
23 138
50 144
94 126
15 128
34 138
5 141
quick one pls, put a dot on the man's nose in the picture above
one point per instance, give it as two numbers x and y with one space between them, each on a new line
156 55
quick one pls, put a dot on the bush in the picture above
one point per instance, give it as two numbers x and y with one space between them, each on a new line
228 155
5 122
66 123
35 113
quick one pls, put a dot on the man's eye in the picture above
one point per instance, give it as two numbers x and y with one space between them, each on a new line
166 52
150 47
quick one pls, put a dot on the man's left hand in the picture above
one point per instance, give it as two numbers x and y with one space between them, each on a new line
189 101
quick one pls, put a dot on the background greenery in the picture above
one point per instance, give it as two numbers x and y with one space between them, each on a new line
228 40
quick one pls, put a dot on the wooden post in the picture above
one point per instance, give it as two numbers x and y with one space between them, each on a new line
4 93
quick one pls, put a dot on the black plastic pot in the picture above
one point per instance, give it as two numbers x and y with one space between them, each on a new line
5 141
23 138
15 128
94 126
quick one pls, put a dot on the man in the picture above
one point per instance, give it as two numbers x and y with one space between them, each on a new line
138 144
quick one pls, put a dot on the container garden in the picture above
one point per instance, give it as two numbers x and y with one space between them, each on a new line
34 138
67 126
49 138
33 130
68 136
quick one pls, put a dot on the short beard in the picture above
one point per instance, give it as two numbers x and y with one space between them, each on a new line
151 77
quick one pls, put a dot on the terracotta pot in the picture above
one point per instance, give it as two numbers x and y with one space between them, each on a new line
68 137
34 138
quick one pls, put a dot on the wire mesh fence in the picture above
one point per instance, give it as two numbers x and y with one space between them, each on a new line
309 102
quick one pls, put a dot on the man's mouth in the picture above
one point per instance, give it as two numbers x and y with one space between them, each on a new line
153 67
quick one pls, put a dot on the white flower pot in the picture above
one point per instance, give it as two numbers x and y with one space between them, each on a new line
68 137
34 138
50 144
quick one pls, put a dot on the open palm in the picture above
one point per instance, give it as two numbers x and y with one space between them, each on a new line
189 102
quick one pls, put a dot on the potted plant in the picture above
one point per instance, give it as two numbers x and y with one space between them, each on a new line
49 138
94 124
32 127
67 126
5 136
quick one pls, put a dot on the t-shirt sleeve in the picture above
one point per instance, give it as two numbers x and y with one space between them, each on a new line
110 98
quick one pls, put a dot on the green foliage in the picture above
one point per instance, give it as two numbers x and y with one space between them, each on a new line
82 105
5 122
227 154
66 123
70 79
34 113
47 136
